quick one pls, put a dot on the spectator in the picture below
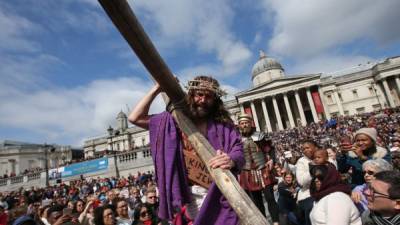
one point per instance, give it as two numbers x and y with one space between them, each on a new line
86 217
56 216
80 206
330 193
305 201
3 214
370 168
287 199
43 212
142 215
151 201
396 160
332 156
383 199
122 216
364 148
104 215
24 220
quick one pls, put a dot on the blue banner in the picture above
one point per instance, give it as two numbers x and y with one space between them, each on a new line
84 167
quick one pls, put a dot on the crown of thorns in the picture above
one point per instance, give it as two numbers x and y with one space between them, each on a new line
205 85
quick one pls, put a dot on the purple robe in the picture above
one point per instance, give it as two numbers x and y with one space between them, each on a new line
172 182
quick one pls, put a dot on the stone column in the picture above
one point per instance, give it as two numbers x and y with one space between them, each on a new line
312 106
241 108
266 116
398 83
388 94
255 118
326 110
278 116
380 92
300 106
288 110
338 102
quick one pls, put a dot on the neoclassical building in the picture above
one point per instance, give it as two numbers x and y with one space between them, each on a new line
16 156
119 139
278 101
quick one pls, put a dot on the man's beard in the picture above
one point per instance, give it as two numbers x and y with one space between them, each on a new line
200 111
246 131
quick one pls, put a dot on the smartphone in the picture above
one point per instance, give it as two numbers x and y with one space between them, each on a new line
67 211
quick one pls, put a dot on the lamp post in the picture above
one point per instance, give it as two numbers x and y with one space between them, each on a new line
46 158
110 131
376 94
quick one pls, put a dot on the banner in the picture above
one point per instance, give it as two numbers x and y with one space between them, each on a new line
317 102
84 167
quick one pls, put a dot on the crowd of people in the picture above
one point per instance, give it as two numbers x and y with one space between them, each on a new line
345 170
84 202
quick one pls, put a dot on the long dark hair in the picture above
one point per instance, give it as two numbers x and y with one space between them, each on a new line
98 214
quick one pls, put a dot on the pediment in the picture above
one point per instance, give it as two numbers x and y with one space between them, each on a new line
280 83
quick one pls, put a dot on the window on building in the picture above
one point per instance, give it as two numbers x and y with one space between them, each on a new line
355 94
334 114
376 107
340 97
346 112
360 110
371 90
133 143
329 99
146 153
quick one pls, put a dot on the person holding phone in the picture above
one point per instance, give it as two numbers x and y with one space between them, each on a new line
354 155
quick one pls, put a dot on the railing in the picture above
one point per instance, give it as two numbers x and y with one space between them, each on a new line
3 182
34 176
17 179
125 160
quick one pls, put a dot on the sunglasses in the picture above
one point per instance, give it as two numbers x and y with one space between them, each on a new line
369 172
144 213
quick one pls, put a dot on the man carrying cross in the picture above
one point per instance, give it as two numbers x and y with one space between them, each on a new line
182 179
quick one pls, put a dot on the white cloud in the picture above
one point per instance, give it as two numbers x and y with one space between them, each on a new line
14 30
203 24
62 114
331 63
307 28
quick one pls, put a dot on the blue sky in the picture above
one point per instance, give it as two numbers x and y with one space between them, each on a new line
65 71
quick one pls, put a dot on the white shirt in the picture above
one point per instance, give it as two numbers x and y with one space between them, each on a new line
123 221
303 177
335 209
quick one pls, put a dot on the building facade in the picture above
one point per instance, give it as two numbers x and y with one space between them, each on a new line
119 139
278 102
18 157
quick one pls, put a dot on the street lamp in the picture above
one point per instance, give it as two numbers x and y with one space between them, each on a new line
376 94
46 158
110 131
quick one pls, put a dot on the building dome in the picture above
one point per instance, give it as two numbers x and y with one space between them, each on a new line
121 115
122 121
266 69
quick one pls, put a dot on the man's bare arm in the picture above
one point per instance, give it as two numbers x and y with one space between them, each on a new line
140 114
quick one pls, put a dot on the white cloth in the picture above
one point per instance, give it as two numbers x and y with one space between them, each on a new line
123 221
198 195
303 177
335 209
333 161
